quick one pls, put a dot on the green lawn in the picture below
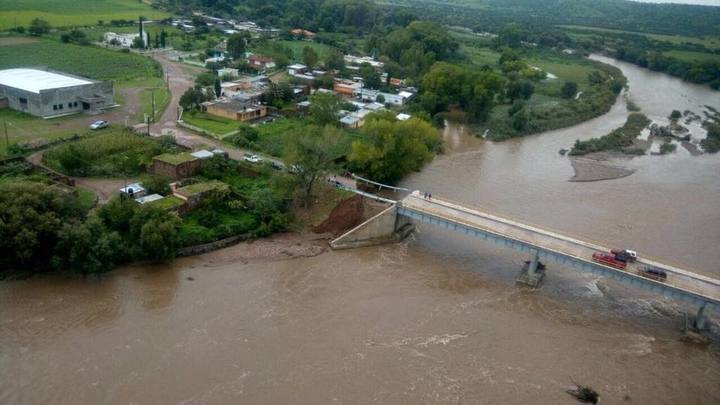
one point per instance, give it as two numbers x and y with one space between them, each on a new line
298 46
87 61
167 203
73 12
480 55
214 125
690 56
25 128
272 136
567 69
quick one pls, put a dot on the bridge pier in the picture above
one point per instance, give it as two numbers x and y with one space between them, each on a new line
700 319
533 272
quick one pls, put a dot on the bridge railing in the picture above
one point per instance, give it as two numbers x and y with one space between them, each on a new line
380 185
564 233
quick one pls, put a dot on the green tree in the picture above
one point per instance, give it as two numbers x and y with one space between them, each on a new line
193 97
520 89
218 88
245 137
392 149
520 120
237 44
335 60
88 247
312 152
39 27
324 108
371 78
118 213
474 91
569 90
138 43
310 57
156 184
31 217
206 79
155 231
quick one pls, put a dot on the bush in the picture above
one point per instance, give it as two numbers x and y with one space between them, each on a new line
667 148
31 220
156 184
619 139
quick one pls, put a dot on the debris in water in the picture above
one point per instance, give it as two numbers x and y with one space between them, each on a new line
584 394
190 278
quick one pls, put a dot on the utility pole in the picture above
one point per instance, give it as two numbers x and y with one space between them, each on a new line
7 141
148 126
152 93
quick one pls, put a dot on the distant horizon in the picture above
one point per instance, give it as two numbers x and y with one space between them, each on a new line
715 3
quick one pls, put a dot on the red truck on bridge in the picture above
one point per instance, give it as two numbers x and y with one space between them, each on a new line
609 259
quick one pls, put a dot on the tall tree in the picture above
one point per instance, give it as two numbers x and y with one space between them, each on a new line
39 27
312 153
237 45
324 108
310 57
391 149
371 78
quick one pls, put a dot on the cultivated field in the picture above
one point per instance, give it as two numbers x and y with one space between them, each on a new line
87 61
73 12
708 42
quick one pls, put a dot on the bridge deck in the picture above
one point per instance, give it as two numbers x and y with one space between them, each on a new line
679 279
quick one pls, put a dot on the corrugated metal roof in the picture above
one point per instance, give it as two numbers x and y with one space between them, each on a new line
34 80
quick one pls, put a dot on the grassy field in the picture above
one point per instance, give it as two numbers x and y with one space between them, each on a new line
708 42
25 128
113 152
86 61
73 12
480 55
690 56
298 46
212 124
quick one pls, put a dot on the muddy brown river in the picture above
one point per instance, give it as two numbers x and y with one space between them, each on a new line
436 319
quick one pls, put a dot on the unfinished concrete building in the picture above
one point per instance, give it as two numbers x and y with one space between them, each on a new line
46 94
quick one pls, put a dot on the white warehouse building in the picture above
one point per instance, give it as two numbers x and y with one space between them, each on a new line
46 94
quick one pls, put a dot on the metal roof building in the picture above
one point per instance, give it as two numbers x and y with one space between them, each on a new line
47 94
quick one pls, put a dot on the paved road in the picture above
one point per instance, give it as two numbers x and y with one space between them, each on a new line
180 78
679 278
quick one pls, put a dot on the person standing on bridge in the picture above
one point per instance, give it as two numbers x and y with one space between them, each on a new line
429 196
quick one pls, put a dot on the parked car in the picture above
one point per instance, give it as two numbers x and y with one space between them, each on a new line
653 273
277 165
252 158
294 169
625 255
99 124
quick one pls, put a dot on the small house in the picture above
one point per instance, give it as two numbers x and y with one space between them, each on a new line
261 62
176 166
234 109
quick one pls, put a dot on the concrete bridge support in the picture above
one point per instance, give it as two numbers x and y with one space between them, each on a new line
700 319
533 272
385 227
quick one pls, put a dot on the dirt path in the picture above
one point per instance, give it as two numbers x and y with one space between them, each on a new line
104 188
180 78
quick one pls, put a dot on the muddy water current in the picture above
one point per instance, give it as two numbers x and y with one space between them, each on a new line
436 319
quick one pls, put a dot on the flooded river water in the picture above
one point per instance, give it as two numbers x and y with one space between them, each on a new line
436 319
